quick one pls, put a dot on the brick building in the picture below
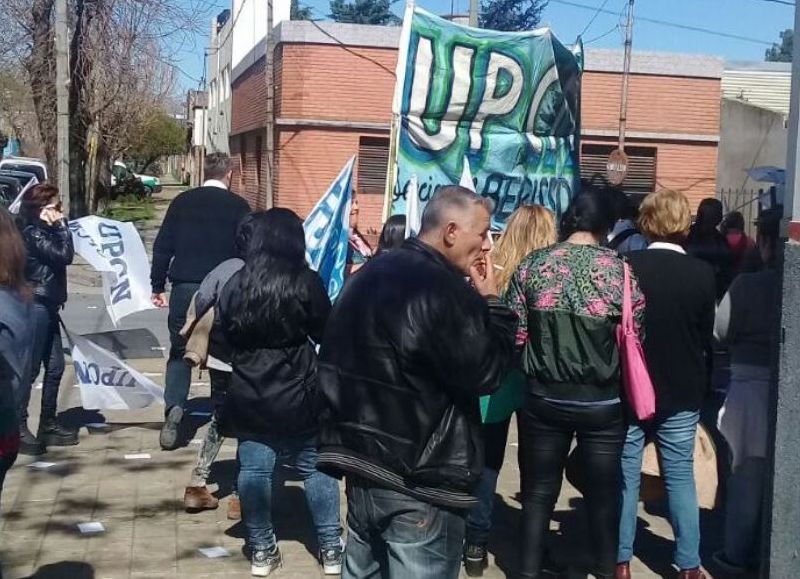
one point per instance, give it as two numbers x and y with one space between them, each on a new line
334 86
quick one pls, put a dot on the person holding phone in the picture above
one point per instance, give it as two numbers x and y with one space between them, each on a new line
48 244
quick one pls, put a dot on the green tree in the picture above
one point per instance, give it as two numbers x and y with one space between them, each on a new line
364 12
298 12
511 15
159 135
781 52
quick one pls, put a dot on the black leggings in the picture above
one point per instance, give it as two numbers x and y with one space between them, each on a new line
545 435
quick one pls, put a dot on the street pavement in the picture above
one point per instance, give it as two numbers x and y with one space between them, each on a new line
138 499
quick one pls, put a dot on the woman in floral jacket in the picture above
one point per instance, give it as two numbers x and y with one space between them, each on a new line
569 300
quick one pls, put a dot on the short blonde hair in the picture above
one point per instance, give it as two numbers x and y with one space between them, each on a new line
665 216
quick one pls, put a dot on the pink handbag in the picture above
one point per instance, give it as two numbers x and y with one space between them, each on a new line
635 377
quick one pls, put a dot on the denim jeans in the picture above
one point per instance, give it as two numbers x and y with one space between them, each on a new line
47 350
545 436
391 535
479 519
178 377
674 436
743 512
257 464
212 441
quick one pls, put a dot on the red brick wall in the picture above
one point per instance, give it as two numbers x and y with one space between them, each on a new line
336 82
247 181
249 92
308 160
662 104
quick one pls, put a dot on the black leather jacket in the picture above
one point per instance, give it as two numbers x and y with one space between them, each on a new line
407 352
50 251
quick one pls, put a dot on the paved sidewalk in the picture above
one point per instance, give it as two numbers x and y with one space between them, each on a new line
147 533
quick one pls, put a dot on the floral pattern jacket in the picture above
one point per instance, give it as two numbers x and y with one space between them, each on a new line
568 299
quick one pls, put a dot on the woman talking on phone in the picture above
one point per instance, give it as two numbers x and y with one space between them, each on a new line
48 243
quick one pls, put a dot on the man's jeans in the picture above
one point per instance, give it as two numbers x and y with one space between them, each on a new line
220 381
674 438
257 464
390 534
479 519
179 374
47 350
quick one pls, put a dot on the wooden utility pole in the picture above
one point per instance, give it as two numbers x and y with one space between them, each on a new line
473 13
269 144
62 103
617 165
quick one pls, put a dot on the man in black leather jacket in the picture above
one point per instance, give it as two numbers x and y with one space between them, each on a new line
408 349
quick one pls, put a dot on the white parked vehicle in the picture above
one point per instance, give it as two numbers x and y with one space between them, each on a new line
27 165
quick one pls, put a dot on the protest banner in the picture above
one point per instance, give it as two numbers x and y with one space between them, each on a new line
106 382
16 205
327 231
504 103
115 250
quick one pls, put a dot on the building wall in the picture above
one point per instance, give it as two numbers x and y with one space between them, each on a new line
249 162
334 88
751 136
249 18
219 82
765 84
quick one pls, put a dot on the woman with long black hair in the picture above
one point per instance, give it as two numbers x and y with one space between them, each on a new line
270 312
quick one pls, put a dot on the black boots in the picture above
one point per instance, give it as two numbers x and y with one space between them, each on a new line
51 433
28 443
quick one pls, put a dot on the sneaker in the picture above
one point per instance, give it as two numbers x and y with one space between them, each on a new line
331 559
169 431
51 433
29 444
476 559
234 509
196 499
263 562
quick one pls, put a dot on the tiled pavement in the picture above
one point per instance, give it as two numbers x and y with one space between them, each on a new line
149 535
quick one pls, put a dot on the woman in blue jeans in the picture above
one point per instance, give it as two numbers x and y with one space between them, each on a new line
270 313
678 328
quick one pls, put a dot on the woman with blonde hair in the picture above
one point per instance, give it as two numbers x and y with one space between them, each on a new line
679 323
529 228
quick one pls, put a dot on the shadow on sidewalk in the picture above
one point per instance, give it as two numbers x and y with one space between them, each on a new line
64 570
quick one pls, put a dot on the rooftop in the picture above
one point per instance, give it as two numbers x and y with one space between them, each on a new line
597 59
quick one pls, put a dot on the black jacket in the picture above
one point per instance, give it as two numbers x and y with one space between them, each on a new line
274 383
409 348
49 251
198 234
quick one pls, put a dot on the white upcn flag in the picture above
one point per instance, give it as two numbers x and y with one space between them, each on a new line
413 212
115 250
17 203
466 177
107 383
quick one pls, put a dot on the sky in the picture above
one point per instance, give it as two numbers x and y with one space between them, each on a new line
732 29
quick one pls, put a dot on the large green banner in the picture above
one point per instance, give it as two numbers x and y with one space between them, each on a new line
506 104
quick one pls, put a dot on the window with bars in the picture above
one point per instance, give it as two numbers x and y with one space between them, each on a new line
641 176
373 160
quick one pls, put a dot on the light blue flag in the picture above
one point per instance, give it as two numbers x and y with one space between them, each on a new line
327 230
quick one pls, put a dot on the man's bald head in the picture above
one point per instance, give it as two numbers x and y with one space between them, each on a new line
456 223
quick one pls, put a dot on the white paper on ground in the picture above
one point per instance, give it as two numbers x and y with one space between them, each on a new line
196 441
138 456
38 386
157 348
98 425
152 374
200 413
199 383
41 465
90 528
214 552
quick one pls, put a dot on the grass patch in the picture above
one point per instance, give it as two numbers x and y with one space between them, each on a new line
129 208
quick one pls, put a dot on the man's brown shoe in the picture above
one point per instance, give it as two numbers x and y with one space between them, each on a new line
197 499
623 571
692 574
234 508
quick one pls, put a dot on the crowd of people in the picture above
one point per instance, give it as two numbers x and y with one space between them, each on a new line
405 388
